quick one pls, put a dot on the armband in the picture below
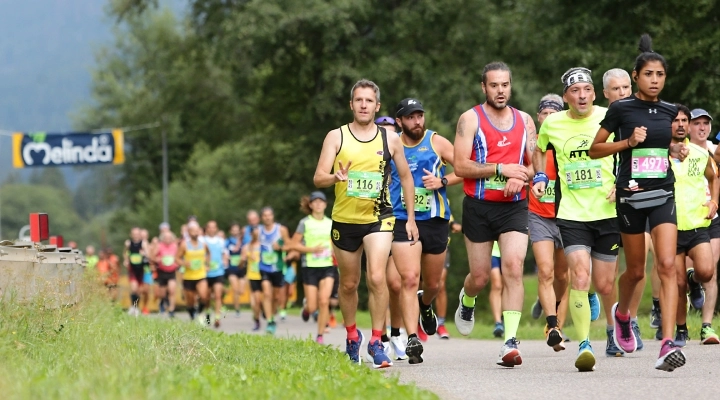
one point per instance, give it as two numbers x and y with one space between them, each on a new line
541 177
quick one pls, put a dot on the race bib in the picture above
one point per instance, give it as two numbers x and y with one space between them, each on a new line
365 185
324 254
196 264
422 199
214 265
583 174
136 258
496 182
269 257
549 196
235 260
649 163
168 260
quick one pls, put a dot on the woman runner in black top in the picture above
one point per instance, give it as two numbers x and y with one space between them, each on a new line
645 193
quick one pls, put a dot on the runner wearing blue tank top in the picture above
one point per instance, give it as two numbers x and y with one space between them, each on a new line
427 153
235 272
253 221
274 239
216 270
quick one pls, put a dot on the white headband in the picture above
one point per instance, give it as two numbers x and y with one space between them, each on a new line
576 75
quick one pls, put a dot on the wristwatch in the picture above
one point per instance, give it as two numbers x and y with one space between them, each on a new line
444 181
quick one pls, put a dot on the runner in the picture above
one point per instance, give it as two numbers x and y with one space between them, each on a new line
359 154
253 221
693 177
493 146
235 271
426 153
250 256
194 256
585 214
273 236
135 251
387 122
699 130
312 239
161 295
645 191
496 288
441 298
166 269
148 272
91 258
216 272
546 243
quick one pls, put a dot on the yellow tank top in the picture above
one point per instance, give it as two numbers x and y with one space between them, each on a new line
253 263
690 186
364 197
196 257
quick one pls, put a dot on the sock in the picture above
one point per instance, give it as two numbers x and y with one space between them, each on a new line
633 319
609 328
394 331
375 335
441 321
191 311
580 313
682 327
134 300
384 338
468 301
706 325
621 317
551 321
557 306
512 321
656 303
352 333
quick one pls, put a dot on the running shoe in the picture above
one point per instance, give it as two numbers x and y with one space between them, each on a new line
380 359
237 313
611 350
421 334
585 361
681 337
671 357
207 319
697 294
708 336
171 314
352 348
443 332
554 339
397 346
638 337
658 334
217 322
305 315
509 354
414 351
464 317
315 315
623 335
332 322
536 309
428 321
271 327
594 306
499 330
145 311
387 347
319 340
283 315
655 318
257 325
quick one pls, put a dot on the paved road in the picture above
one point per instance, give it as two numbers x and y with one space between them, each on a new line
462 369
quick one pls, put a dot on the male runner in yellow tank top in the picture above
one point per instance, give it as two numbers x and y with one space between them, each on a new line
359 153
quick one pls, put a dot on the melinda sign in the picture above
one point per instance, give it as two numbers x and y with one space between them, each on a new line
42 149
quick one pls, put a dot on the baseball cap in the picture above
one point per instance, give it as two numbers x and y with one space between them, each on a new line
164 225
407 107
385 120
699 112
318 195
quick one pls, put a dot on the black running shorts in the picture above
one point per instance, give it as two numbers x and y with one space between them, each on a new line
313 275
349 237
485 221
434 234
686 240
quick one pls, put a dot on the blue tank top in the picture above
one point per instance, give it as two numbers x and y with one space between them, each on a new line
269 258
233 259
428 203
216 246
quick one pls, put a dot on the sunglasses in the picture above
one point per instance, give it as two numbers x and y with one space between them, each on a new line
385 121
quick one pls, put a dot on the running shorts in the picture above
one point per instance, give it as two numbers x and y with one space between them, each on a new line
336 285
237 271
313 275
276 279
686 240
632 221
164 277
216 279
136 273
434 234
544 229
714 229
601 238
485 221
496 262
191 284
255 285
349 237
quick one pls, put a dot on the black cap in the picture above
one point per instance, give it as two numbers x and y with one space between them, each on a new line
407 107
318 195
699 112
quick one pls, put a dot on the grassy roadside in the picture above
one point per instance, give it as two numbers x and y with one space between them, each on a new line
94 350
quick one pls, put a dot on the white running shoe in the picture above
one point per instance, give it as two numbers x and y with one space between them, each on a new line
464 317
398 347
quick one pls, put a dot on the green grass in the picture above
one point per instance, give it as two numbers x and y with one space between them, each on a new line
531 329
94 350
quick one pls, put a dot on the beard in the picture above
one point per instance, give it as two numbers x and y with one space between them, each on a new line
414 133
679 135
495 105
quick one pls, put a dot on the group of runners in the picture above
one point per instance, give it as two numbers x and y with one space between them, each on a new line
639 174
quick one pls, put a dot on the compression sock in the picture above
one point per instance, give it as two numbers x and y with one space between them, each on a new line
376 334
468 301
395 332
512 321
441 321
352 333
551 321
580 313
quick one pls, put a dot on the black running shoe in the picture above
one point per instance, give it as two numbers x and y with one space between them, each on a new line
414 350
428 320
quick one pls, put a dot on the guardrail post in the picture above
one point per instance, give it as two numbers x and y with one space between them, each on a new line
39 227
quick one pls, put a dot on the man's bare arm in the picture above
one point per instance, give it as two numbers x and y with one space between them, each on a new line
464 137
324 176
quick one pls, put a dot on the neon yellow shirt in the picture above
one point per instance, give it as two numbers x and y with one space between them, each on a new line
690 187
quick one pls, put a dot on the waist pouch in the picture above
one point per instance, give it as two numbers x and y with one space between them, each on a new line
652 198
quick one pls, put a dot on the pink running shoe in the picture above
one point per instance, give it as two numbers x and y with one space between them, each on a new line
671 357
319 340
623 335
